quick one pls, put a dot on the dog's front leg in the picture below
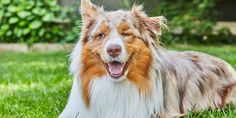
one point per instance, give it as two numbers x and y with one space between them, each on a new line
73 107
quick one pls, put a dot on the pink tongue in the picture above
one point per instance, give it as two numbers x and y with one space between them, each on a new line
116 68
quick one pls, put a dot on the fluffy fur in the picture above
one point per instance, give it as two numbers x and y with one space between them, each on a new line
156 83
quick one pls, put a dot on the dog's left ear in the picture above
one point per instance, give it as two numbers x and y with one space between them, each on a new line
152 24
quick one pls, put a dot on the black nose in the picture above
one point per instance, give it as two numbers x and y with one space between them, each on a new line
113 50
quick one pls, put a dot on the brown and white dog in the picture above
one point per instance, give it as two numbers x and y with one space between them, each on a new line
121 71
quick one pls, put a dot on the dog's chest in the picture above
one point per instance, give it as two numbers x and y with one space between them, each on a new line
118 100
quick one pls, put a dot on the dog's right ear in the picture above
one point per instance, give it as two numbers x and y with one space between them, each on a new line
89 11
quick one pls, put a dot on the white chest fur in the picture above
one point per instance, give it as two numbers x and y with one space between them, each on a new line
121 100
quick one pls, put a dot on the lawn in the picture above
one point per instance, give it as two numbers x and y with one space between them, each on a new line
37 85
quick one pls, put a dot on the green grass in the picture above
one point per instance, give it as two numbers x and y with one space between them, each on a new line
33 85
37 85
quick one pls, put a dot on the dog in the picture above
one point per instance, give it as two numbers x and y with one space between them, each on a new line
120 70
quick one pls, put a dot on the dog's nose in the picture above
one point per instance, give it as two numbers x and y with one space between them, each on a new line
113 50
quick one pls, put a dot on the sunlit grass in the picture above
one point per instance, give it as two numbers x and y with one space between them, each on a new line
37 85
33 84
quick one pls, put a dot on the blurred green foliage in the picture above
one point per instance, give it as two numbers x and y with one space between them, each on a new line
33 21
194 19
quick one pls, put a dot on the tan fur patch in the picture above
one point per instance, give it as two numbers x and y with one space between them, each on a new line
123 27
224 94
140 59
138 70
92 68
92 64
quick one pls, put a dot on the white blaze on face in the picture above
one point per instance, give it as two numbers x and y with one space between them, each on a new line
115 64
114 39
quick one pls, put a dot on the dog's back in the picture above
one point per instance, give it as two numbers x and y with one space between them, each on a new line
198 80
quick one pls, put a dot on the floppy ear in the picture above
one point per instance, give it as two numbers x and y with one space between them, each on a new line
89 11
153 24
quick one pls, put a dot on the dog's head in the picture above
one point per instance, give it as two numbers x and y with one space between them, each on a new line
117 43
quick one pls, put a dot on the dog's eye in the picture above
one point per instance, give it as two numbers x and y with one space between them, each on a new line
101 36
126 34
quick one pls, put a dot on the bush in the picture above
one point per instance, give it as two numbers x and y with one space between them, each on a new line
196 19
33 21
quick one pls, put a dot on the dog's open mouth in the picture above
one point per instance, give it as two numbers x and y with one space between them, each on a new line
116 69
